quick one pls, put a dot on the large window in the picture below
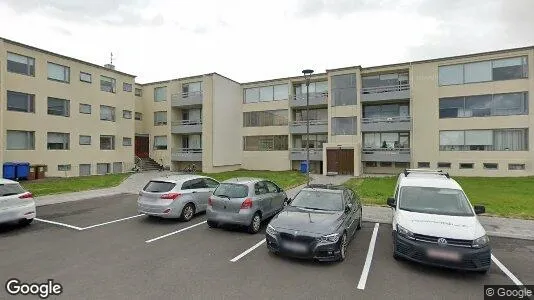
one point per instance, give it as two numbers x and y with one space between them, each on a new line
386 111
160 94
20 64
386 140
315 87
315 114
20 140
160 118
344 126
265 118
316 141
160 142
191 88
58 72
58 107
107 113
344 90
483 71
484 105
484 140
265 143
85 108
107 142
108 84
58 141
20 102
393 80
266 93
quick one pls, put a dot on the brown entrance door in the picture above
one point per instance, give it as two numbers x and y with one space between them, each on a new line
340 161
141 146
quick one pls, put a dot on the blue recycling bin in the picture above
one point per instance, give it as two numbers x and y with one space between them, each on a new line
10 170
303 167
23 170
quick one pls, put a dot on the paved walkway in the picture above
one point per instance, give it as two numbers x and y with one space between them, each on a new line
495 226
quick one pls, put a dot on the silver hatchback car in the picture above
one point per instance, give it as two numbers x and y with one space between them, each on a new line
176 196
246 202
16 204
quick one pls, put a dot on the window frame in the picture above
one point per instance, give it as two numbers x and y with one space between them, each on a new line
127 112
85 136
29 139
113 113
113 84
161 123
156 89
124 139
66 106
85 105
30 102
64 134
160 147
66 72
90 77
30 71
125 86
112 144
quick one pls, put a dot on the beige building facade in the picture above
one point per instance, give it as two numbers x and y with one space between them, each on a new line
469 115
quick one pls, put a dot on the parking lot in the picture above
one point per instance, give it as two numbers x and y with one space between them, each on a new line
101 249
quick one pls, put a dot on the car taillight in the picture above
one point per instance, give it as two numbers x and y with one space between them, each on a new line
247 203
26 195
171 196
209 201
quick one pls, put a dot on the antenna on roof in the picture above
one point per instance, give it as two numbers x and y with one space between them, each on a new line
110 65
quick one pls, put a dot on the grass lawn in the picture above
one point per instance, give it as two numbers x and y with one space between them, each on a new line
49 186
511 197
285 179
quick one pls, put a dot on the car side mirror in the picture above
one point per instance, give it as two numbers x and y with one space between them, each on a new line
480 209
348 208
392 202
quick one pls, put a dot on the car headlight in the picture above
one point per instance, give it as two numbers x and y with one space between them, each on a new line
270 230
405 232
481 242
331 238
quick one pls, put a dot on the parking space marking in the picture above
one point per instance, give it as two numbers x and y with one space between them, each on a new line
247 251
111 222
367 266
60 224
506 271
174 232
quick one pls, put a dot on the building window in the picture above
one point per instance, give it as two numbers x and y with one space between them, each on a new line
266 143
444 165
107 84
491 166
371 164
138 116
344 126
127 87
20 140
160 94
386 164
85 140
386 111
484 105
20 64
484 71
58 141
20 102
160 118
385 82
85 169
103 168
127 114
107 113
386 140
516 167
423 164
484 140
467 165
316 114
160 142
403 165
191 88
58 72
58 107
318 87
265 118
315 141
107 142
252 95
266 93
126 141
344 90
138 92
85 77
64 168
85 108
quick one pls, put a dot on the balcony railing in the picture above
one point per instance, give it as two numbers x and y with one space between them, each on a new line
390 92
398 123
314 99
386 154
300 154
385 89
386 119
186 122
187 154
187 99
186 126
312 122
316 126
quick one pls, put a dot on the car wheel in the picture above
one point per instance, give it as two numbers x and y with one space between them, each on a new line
212 224
255 224
25 222
359 222
187 212
343 247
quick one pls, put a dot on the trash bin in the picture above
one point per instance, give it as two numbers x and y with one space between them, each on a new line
40 171
23 170
33 172
10 170
303 167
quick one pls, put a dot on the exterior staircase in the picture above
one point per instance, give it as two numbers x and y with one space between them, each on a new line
147 164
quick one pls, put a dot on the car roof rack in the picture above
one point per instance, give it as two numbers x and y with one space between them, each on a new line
426 171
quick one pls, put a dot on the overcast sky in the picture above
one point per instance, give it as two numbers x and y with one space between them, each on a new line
249 40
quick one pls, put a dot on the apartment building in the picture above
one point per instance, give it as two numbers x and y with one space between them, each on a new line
468 115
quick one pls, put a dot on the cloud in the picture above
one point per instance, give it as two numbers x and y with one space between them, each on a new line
340 8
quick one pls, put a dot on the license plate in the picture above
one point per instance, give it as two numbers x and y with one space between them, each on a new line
444 255
295 247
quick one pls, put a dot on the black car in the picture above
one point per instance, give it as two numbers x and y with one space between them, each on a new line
317 224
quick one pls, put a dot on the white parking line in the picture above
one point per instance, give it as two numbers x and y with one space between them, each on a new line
111 222
506 271
57 223
247 251
367 266
175 232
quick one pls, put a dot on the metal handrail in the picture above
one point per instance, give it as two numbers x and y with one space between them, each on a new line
188 150
387 119
300 97
400 150
385 88
187 122
304 149
312 122
185 95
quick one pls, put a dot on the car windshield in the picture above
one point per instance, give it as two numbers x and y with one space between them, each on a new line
319 200
10 189
231 190
159 186
432 200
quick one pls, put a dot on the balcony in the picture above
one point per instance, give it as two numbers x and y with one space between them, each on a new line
186 154
186 126
300 154
315 99
384 93
191 99
399 123
316 126
386 154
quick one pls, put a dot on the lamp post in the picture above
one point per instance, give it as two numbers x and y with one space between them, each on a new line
307 74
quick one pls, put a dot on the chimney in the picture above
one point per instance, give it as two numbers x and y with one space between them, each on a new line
109 66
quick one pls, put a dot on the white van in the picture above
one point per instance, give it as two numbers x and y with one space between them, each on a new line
434 223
